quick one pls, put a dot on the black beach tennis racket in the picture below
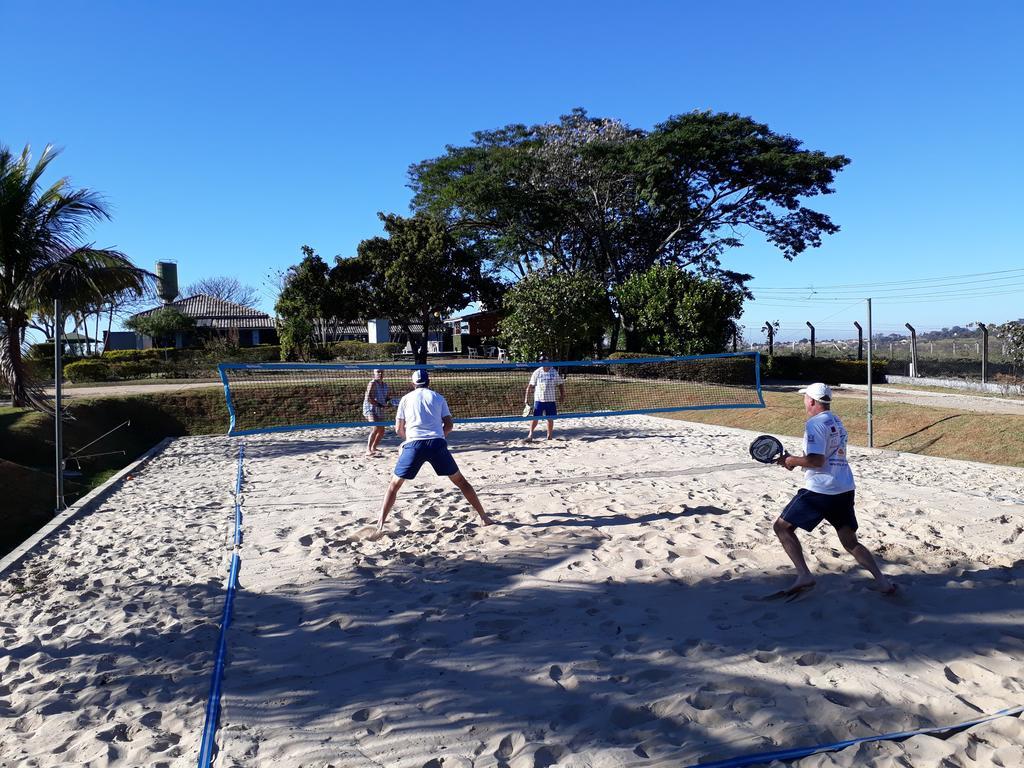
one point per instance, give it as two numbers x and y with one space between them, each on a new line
767 449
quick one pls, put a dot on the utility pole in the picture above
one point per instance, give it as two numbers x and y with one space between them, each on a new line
984 353
58 415
871 394
812 337
913 351
860 341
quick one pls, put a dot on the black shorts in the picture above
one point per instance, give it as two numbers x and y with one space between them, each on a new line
808 508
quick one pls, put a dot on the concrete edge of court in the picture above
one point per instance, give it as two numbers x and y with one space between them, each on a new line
84 505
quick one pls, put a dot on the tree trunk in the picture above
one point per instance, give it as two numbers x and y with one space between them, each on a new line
632 340
24 392
614 343
419 347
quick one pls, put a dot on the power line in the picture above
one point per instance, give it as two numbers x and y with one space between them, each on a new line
879 284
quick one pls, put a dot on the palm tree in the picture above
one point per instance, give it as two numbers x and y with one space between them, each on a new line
42 259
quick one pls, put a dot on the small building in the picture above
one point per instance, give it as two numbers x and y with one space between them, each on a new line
483 323
213 317
470 331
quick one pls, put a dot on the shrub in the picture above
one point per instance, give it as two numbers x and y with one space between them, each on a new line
87 370
827 370
41 351
562 315
361 350
137 369
718 370
264 353
135 355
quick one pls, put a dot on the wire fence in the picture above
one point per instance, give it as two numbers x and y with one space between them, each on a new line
941 358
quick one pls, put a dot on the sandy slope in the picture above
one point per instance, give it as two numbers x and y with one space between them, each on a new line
613 618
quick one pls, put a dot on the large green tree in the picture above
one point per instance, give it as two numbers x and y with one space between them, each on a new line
302 306
675 312
421 271
42 258
593 194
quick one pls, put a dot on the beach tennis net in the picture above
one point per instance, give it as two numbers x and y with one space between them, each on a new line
274 397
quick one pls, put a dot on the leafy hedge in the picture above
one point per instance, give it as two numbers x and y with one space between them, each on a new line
737 370
828 370
170 363
720 370
135 355
360 350
91 369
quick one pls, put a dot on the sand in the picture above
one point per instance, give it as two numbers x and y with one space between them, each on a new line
615 615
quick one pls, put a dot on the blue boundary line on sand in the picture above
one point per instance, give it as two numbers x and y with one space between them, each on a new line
759 758
232 432
213 700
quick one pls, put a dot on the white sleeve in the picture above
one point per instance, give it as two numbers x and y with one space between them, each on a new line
445 411
533 378
400 413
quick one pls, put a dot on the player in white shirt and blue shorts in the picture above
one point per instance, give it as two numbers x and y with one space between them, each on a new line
828 492
547 387
423 421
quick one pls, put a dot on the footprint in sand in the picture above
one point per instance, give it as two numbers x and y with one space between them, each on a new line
810 659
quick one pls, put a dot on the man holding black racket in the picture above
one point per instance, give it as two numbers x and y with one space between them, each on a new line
827 494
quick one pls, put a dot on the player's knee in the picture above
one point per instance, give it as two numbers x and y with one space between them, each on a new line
848 538
781 527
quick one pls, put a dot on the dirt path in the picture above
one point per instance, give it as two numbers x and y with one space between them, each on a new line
118 390
953 400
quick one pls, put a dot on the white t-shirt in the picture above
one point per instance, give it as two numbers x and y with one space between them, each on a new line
545 385
423 411
825 435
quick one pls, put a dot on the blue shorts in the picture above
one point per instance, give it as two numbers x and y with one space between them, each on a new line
545 409
808 508
415 454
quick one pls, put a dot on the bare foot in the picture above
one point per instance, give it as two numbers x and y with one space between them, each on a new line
887 587
795 589
801 583
485 520
378 533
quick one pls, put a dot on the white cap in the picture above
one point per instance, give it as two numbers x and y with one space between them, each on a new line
820 392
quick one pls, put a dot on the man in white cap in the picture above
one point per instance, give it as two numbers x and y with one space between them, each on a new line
423 421
827 493
547 387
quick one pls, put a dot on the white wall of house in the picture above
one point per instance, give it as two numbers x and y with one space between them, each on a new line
378 331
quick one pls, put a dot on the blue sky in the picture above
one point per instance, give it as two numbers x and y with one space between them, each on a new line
225 135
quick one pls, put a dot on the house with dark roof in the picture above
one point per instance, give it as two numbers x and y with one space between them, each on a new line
213 317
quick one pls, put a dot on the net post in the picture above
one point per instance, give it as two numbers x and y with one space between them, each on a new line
222 369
